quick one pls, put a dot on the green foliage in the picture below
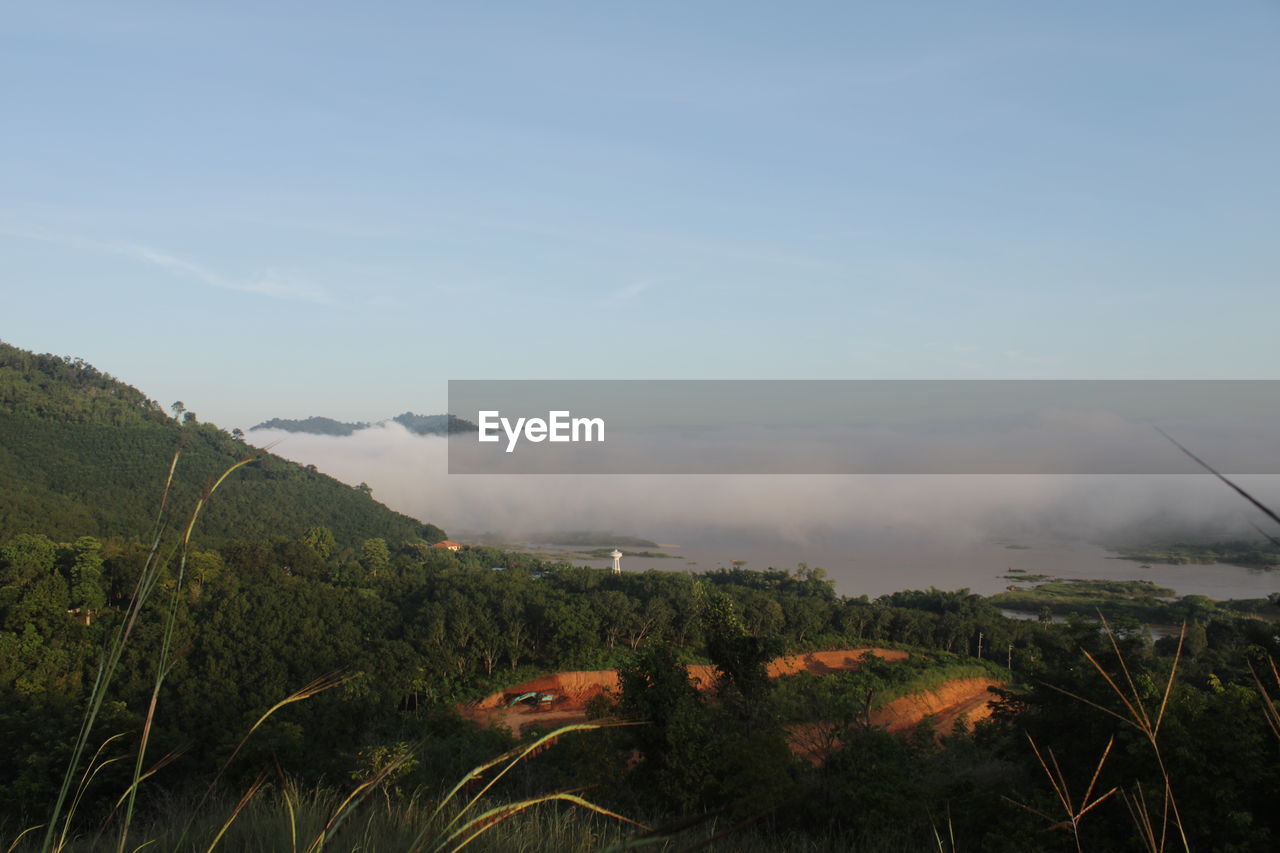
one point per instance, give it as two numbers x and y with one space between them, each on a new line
432 534
1256 553
673 742
1135 599
68 389
84 454
320 540
375 557
87 593
845 699
434 627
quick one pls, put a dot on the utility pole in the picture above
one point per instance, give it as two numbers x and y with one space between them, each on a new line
979 644
1009 665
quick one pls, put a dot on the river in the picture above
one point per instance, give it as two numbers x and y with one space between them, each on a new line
889 564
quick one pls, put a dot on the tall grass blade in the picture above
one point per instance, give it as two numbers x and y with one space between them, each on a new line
293 819
1141 719
665 833
519 755
1273 540
113 651
485 821
1058 781
155 768
1269 711
511 758
344 809
18 838
1238 490
166 643
1137 806
321 684
90 771
235 813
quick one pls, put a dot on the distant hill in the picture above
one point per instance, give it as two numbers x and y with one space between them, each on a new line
82 453
314 425
421 424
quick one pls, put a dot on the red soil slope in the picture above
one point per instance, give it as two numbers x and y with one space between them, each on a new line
966 698
574 689
963 697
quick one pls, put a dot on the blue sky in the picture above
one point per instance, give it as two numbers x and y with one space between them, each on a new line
285 209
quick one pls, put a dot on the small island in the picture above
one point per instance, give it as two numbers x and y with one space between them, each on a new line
1253 554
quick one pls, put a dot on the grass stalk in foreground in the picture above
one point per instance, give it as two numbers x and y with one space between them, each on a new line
235 813
326 682
1058 780
470 830
166 644
110 662
1148 722
1269 710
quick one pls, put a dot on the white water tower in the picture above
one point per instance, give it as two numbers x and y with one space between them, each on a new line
617 561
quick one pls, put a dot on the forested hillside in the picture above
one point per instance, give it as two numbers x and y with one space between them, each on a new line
83 454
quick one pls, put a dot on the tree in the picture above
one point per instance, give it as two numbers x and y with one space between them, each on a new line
432 534
375 557
320 540
26 558
617 609
29 563
576 627
515 629
742 659
675 742
86 576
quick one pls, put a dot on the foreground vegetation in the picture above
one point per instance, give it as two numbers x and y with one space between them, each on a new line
416 630
295 686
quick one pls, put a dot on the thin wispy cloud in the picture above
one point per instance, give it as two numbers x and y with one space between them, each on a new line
269 283
629 292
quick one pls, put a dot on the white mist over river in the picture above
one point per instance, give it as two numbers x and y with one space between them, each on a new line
873 535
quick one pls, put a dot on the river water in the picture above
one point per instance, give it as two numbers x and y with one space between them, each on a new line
890 564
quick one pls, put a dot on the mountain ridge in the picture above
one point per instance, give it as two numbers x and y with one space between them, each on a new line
442 424
85 454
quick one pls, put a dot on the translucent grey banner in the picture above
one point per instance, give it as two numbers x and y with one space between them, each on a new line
863 426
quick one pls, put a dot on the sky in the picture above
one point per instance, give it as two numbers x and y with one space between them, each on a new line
286 209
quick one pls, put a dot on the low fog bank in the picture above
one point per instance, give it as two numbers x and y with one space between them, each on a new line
408 472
